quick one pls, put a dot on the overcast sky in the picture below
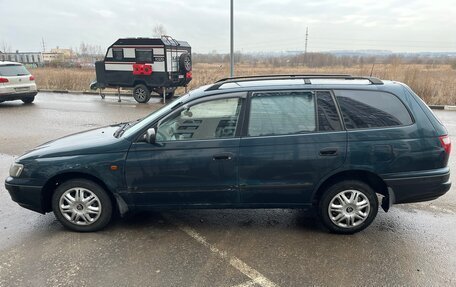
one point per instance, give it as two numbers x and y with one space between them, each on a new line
261 25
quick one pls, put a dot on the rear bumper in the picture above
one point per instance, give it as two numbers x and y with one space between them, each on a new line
19 96
423 186
29 197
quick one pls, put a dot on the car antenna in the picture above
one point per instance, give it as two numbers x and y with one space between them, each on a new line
372 70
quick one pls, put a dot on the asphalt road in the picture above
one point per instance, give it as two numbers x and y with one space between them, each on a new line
412 244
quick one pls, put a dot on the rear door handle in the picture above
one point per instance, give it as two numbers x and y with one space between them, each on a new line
330 151
223 156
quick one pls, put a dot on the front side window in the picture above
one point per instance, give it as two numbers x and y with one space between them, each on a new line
281 113
117 54
371 109
207 120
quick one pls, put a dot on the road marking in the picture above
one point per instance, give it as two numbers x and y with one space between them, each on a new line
257 277
246 284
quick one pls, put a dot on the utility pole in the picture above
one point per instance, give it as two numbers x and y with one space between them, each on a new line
305 48
231 41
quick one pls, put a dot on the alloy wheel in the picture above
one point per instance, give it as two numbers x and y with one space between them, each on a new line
349 208
80 206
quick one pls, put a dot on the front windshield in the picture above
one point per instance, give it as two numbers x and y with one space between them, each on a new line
153 116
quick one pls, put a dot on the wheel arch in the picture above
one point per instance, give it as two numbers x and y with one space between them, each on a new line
51 185
140 82
368 177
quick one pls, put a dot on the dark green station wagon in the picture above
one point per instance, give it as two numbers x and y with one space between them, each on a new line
336 144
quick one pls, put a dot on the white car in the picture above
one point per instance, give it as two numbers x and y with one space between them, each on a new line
16 83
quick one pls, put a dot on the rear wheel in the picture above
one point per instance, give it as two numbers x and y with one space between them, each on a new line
28 100
141 94
82 205
348 207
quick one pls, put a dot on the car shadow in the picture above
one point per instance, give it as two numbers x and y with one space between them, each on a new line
221 219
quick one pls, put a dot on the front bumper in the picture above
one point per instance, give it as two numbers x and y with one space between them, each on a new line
29 197
421 186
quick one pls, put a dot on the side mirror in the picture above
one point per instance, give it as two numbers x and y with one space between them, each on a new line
150 136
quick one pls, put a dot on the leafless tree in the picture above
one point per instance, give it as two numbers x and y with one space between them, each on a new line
159 30
5 47
88 49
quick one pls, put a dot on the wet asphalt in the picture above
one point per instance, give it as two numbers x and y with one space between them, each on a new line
412 244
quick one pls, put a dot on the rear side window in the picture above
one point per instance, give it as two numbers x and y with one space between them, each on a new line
280 113
371 109
13 70
117 54
144 56
328 118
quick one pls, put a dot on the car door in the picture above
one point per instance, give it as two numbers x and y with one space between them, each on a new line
194 157
292 139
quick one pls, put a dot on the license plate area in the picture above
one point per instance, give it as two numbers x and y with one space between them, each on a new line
22 89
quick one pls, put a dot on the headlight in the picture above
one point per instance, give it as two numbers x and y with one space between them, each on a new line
16 169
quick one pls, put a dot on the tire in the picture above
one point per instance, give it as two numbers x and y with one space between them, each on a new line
185 62
349 213
82 214
28 100
169 95
141 94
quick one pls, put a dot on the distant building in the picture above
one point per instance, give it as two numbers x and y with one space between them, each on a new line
28 58
68 54
49 57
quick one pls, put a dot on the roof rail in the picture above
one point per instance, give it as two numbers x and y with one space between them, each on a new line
299 76
306 78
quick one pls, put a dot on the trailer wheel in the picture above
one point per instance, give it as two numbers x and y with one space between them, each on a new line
169 95
185 62
141 94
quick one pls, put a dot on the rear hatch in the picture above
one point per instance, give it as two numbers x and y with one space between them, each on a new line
16 77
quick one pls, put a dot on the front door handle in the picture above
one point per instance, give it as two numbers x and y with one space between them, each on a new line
223 156
330 151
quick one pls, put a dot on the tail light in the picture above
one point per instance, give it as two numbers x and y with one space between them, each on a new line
3 80
188 75
446 143
32 78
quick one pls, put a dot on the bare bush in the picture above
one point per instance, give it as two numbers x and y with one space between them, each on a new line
436 84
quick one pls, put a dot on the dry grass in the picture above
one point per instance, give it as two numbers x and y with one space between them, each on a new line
435 84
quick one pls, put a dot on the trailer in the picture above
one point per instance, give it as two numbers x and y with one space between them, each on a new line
145 65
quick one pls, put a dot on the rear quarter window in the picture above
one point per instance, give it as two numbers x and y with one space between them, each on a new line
372 109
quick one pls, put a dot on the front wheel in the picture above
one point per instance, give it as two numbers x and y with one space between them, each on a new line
82 205
348 207
141 94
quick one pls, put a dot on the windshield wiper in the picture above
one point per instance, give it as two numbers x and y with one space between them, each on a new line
121 129
125 126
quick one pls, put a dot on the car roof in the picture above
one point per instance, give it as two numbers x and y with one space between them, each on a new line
290 82
5 63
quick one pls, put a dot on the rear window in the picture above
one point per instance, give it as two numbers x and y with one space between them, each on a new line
13 70
371 109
